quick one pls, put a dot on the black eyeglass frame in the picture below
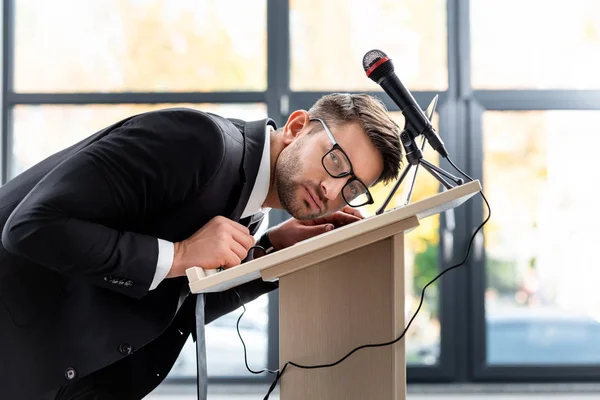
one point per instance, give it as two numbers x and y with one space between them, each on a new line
336 146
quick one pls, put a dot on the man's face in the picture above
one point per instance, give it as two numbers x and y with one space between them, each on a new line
304 187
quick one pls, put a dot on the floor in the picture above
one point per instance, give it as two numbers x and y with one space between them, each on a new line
415 392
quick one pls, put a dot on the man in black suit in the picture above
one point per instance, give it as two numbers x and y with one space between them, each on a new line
94 302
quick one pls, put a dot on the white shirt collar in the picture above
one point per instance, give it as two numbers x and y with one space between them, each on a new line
261 185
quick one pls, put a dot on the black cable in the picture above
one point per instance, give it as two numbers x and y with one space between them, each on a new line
462 173
278 376
240 335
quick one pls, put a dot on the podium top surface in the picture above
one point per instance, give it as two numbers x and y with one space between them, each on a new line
200 282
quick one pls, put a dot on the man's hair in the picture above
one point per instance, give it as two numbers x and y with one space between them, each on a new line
342 108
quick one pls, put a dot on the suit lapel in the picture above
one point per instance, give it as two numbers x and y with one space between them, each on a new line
254 141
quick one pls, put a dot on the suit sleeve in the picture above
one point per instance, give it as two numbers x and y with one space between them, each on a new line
151 164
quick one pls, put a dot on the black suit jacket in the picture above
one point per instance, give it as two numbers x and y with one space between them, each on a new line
79 241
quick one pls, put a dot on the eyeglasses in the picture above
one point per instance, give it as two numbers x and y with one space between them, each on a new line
338 165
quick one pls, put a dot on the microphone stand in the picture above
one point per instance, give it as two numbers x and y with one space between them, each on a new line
414 156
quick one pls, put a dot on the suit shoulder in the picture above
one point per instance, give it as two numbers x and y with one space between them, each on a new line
203 128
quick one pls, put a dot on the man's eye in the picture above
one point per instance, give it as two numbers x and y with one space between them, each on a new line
335 159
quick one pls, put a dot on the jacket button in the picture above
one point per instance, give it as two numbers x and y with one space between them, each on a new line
70 373
125 349
128 283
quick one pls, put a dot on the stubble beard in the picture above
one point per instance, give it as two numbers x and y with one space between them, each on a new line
287 167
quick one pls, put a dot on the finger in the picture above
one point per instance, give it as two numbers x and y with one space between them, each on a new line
316 221
240 251
337 218
340 218
243 239
348 217
352 211
310 231
231 260
237 226
358 214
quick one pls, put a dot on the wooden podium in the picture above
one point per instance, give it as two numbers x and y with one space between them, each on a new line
338 291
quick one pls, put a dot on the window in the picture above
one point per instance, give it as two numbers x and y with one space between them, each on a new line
40 131
140 45
541 246
224 350
330 38
535 44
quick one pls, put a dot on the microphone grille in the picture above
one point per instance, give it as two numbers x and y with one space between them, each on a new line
372 57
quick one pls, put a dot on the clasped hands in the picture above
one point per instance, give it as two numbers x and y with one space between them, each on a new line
225 243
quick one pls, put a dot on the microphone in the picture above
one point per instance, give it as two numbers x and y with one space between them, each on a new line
379 67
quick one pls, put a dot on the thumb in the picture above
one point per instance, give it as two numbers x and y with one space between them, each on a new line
309 231
318 229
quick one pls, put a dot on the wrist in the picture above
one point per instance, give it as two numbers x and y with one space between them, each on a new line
178 256
265 242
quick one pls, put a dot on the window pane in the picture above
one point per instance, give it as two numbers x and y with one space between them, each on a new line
40 131
330 38
140 45
421 260
545 45
541 243
224 350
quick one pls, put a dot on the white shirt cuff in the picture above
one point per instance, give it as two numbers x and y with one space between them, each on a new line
166 252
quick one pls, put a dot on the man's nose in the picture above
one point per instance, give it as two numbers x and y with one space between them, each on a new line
332 187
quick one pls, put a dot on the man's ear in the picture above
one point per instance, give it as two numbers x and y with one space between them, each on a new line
296 125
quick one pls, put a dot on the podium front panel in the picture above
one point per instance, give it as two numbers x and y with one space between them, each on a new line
329 309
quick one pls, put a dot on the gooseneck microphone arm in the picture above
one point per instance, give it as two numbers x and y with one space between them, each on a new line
379 67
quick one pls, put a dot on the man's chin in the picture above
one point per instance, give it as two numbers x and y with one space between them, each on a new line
303 215
297 209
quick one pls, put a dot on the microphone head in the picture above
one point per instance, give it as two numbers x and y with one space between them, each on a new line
377 64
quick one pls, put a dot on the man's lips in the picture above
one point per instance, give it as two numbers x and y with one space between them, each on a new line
315 199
